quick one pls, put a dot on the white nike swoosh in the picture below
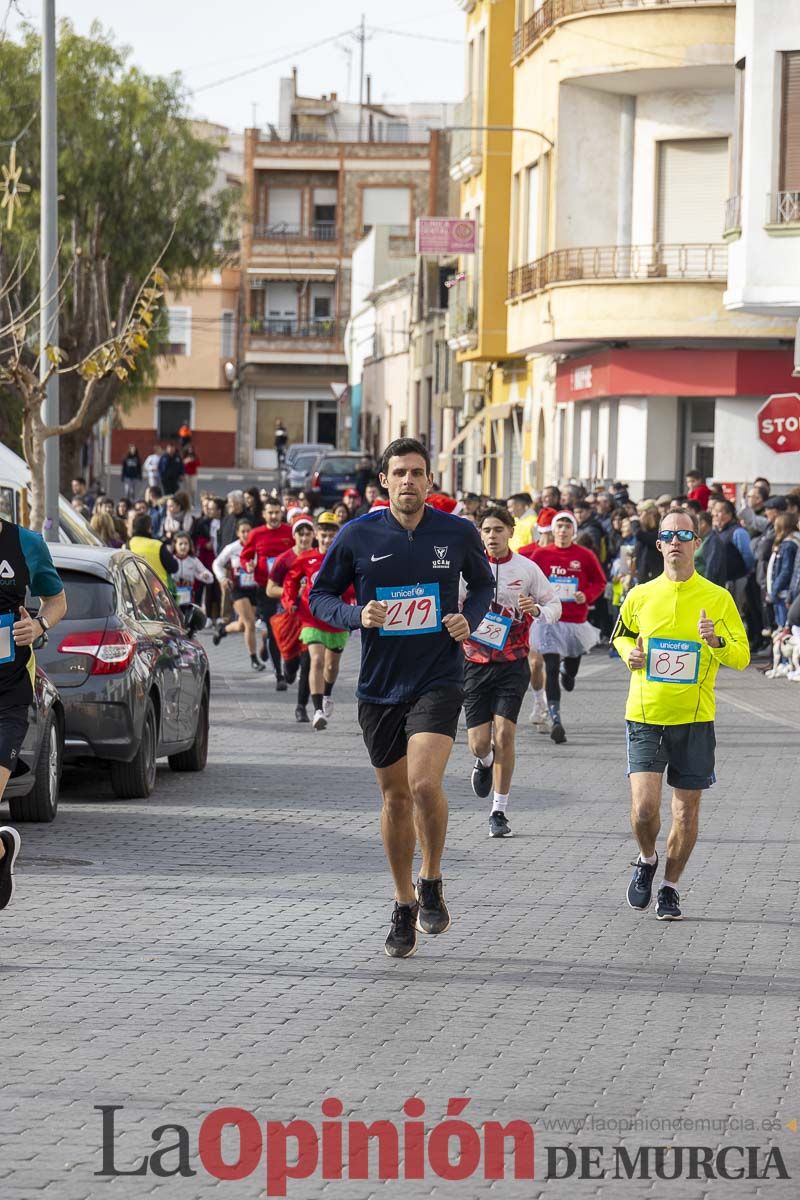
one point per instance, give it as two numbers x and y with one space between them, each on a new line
380 557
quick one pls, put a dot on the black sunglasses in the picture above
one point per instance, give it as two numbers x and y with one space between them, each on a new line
683 535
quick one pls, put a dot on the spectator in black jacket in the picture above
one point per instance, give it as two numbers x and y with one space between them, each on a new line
131 472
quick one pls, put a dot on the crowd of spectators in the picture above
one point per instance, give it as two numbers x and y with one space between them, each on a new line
751 548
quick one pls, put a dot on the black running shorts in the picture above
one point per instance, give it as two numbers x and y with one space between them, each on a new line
13 727
495 689
686 752
387 727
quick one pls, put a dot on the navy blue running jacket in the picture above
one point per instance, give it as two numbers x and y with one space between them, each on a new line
376 551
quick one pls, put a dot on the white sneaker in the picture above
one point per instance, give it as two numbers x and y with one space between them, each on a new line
320 721
540 717
327 706
794 676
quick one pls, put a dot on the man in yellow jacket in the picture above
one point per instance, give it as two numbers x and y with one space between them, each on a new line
674 633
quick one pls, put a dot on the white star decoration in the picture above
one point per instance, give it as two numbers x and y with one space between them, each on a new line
10 186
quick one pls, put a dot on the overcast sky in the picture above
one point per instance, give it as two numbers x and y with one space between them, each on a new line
209 40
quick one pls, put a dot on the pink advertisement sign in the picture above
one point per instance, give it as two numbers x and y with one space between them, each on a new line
445 235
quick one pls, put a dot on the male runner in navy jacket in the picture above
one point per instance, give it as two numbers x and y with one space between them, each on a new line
405 562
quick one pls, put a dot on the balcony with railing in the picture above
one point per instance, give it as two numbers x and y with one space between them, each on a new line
553 11
282 231
466 143
733 216
784 208
294 330
463 314
372 128
599 264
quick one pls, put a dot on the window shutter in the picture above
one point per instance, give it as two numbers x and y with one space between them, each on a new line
387 206
284 208
790 123
692 190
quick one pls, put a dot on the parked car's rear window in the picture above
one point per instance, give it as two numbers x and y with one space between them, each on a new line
87 596
338 466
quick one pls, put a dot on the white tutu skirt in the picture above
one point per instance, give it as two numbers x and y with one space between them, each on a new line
568 640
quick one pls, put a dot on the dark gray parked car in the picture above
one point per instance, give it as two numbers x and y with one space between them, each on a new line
32 794
133 682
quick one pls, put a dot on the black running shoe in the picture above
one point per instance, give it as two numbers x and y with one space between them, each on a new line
263 653
482 778
11 844
219 633
433 916
558 733
640 888
255 665
301 715
402 939
567 681
281 685
668 904
498 825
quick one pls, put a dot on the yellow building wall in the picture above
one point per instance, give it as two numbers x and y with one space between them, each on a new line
491 188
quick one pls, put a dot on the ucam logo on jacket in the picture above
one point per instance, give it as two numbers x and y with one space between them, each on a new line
375 552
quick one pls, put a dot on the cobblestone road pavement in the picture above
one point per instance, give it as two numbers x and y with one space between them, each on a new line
221 944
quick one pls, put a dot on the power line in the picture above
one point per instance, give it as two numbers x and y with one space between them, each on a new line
273 62
423 37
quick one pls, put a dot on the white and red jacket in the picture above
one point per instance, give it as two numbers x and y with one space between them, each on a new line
514 577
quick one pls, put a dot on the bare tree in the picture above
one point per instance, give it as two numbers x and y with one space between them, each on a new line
95 376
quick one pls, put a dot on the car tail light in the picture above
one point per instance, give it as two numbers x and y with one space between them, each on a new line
315 481
111 650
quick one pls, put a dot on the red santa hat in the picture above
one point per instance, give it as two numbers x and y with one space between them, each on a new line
444 503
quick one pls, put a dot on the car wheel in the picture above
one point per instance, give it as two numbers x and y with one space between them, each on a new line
41 802
194 759
136 779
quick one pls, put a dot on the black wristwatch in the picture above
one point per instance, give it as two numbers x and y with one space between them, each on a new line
43 621
722 643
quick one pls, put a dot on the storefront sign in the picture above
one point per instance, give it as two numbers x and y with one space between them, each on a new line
445 235
779 423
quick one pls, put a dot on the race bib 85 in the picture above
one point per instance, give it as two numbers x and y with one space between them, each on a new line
411 610
671 661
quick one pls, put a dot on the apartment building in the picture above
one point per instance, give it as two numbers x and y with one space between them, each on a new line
489 447
200 336
762 219
625 120
316 183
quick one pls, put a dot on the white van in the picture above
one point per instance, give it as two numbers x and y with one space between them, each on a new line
15 502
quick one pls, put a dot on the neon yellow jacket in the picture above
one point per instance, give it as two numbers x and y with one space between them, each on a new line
663 610
524 532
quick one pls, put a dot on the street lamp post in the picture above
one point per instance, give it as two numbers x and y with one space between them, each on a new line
502 129
48 267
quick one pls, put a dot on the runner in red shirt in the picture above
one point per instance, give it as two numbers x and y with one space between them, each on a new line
303 531
261 549
578 578
325 644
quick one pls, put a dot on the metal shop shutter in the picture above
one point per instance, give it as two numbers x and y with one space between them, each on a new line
692 190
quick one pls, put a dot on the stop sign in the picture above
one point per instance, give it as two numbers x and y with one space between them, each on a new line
779 423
